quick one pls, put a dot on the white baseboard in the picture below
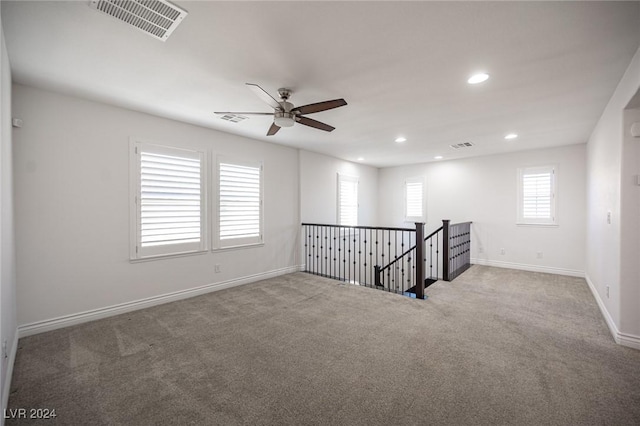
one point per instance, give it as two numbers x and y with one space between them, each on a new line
6 386
624 339
603 309
628 340
526 267
95 314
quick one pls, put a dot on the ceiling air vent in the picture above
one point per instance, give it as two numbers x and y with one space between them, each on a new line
234 118
462 145
158 18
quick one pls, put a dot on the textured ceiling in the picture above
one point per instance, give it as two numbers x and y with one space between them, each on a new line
401 66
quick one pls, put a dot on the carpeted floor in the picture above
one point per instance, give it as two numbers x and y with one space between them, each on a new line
495 346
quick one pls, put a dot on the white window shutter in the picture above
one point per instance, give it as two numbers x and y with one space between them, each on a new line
240 203
414 199
536 190
537 193
347 200
170 194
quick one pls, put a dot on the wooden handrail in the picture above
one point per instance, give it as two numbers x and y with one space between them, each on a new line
433 233
412 248
379 228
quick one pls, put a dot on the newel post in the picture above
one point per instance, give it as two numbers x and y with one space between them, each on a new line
419 261
445 249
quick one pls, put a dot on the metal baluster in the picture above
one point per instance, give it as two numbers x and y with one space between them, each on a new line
333 251
389 276
437 254
403 262
336 271
373 280
344 255
313 249
359 258
323 243
412 282
395 258
354 257
365 257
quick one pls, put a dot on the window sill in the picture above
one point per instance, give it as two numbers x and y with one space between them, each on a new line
238 247
538 225
167 256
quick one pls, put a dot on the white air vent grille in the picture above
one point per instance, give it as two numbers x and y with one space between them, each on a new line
462 145
158 18
234 118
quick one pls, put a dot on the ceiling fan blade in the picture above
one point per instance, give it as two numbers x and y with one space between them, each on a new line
273 129
320 106
243 113
262 94
314 123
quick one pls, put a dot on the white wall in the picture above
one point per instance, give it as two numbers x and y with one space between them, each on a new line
318 189
484 190
72 207
8 324
630 226
604 241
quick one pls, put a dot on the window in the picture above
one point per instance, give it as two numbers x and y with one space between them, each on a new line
347 200
168 201
537 196
414 200
239 203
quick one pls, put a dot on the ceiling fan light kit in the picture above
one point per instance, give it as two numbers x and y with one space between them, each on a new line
284 119
284 112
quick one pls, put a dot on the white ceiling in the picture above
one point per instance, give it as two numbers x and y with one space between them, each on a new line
401 66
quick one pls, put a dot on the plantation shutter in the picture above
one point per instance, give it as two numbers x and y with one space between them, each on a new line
537 195
240 203
414 199
347 200
537 199
170 201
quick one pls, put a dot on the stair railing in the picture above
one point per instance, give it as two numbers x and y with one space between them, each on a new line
348 253
455 245
419 256
459 259
354 254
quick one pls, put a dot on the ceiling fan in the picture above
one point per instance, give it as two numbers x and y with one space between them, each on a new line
285 114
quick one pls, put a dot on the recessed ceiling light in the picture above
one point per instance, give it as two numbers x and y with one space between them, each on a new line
438 157
360 159
401 139
478 78
511 136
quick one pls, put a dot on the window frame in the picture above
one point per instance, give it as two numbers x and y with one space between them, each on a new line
422 218
351 179
553 219
136 251
242 242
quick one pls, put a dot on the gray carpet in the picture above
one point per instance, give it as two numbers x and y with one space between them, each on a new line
495 346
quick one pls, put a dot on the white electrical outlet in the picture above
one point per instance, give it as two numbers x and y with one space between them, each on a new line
217 269
539 255
607 292
502 251
608 218
480 249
